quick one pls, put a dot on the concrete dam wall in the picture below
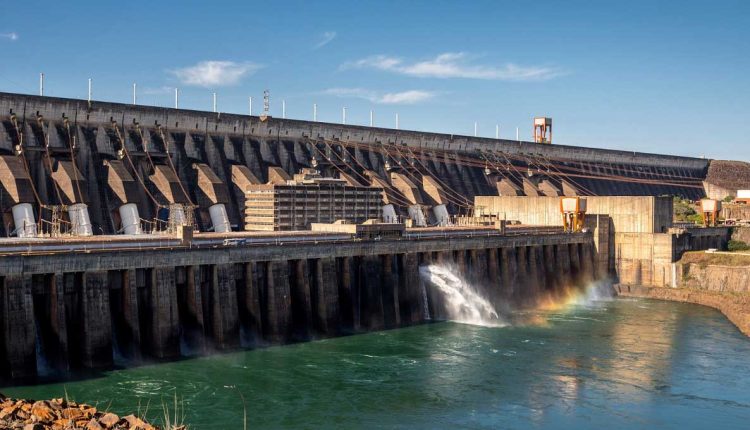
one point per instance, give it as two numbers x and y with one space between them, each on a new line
90 310
107 155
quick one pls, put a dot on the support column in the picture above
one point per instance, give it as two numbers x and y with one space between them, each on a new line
495 280
575 263
508 268
58 323
129 314
461 264
391 312
562 265
521 284
587 263
19 332
301 301
411 300
550 278
278 302
225 327
326 297
163 315
534 274
349 293
192 319
97 321
249 298
371 279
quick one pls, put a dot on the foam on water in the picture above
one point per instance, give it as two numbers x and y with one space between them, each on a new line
462 302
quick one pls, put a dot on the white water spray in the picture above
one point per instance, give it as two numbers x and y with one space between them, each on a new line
462 303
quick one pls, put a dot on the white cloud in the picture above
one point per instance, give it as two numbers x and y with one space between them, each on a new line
325 39
215 73
403 97
9 36
158 91
454 65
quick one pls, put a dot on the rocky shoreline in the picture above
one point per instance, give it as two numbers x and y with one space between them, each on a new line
60 414
735 306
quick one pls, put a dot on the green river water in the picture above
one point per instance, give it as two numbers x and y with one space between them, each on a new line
624 363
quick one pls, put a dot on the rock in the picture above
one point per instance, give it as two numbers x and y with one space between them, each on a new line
94 425
58 414
134 422
42 411
72 413
108 420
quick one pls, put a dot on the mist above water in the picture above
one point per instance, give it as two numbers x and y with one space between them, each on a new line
463 303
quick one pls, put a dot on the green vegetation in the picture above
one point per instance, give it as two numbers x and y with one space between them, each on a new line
684 211
737 245
728 199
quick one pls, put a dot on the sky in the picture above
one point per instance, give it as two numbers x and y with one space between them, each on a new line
653 76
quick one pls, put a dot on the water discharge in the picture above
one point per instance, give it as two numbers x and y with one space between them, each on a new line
462 301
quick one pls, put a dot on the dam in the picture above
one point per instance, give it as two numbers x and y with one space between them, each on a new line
134 233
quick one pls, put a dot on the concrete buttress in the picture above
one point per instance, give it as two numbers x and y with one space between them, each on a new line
371 278
163 315
19 332
225 328
97 323
249 299
278 302
326 297
391 312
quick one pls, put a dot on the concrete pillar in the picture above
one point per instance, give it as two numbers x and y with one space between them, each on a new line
301 301
562 265
129 313
97 322
249 299
445 258
587 263
411 300
325 297
521 284
349 293
371 282
278 302
391 312
477 271
536 272
225 326
493 267
192 320
18 330
575 262
550 276
58 324
461 263
494 274
509 272
163 327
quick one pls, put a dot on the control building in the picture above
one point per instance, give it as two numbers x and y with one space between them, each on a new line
294 204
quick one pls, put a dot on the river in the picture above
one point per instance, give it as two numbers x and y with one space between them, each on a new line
623 363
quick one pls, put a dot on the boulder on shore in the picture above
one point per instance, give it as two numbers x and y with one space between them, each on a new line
60 414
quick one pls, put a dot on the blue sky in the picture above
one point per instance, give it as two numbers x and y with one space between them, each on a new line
655 76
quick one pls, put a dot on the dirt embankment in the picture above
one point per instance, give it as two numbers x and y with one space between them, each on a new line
718 280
